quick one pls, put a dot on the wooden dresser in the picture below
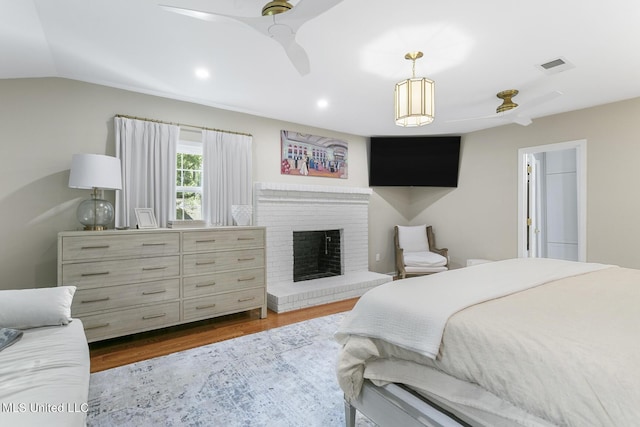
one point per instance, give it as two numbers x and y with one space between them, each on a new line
138 280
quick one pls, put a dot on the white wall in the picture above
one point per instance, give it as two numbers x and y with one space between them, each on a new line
44 121
479 218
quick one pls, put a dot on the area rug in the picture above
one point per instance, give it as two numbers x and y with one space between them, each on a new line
280 377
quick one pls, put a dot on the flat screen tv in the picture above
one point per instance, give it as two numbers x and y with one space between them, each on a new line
414 161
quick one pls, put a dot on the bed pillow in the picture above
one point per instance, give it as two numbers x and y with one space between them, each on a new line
32 308
413 239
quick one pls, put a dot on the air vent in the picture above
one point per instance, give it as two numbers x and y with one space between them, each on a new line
555 66
554 63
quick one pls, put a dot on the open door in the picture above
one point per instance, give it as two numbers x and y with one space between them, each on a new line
552 201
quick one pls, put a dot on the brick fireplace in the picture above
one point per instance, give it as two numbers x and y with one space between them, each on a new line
287 208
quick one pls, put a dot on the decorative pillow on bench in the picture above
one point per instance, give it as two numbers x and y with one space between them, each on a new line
33 308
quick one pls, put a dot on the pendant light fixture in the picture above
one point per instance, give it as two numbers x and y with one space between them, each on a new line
414 98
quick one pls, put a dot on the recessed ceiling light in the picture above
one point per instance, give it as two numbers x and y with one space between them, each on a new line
202 73
323 103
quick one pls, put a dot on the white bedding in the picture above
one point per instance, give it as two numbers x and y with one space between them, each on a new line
44 378
412 313
564 353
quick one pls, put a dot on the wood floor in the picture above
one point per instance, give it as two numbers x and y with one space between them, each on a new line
121 351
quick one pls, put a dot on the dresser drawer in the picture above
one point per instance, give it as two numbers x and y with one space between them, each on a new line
111 297
209 284
101 273
201 308
77 248
211 262
210 240
129 321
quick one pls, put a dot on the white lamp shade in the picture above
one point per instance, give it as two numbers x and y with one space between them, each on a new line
95 171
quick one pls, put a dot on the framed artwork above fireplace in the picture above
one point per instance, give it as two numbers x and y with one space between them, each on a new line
310 155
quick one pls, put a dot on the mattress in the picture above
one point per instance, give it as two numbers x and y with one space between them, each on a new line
562 353
44 378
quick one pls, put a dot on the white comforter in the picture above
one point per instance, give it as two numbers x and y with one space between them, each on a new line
412 313
566 352
44 378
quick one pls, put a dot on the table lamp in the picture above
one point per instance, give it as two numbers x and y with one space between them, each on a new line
95 172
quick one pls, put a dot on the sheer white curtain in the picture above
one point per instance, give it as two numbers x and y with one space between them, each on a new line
147 151
227 174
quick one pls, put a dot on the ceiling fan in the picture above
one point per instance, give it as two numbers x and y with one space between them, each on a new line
279 20
510 111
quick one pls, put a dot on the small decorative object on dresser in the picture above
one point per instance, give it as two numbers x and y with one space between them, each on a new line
146 218
138 280
241 214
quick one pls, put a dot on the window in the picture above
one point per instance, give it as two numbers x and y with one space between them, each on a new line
189 180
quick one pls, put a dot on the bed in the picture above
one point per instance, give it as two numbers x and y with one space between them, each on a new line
44 373
522 342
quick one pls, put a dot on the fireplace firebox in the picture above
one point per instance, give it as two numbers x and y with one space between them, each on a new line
316 254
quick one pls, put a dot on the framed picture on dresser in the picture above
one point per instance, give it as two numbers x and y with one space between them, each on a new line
146 218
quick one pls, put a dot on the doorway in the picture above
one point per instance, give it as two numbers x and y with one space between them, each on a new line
552 201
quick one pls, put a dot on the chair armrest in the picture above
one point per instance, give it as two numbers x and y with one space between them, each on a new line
442 251
400 263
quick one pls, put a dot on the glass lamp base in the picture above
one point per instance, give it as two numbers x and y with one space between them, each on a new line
95 214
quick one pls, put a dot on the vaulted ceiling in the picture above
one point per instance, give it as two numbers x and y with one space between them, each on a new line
472 49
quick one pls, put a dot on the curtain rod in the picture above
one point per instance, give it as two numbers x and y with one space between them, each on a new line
182 125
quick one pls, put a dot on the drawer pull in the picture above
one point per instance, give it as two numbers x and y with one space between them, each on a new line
205 285
246 238
246 259
102 325
246 299
153 316
95 247
205 262
246 279
202 307
206 241
162 291
94 300
154 244
101 273
154 268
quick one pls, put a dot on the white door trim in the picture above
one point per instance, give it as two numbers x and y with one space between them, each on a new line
581 174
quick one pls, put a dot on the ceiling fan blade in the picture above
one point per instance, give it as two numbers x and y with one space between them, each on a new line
468 119
543 99
518 117
298 58
306 10
205 16
504 115
287 38
260 23
525 120
522 120
278 27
